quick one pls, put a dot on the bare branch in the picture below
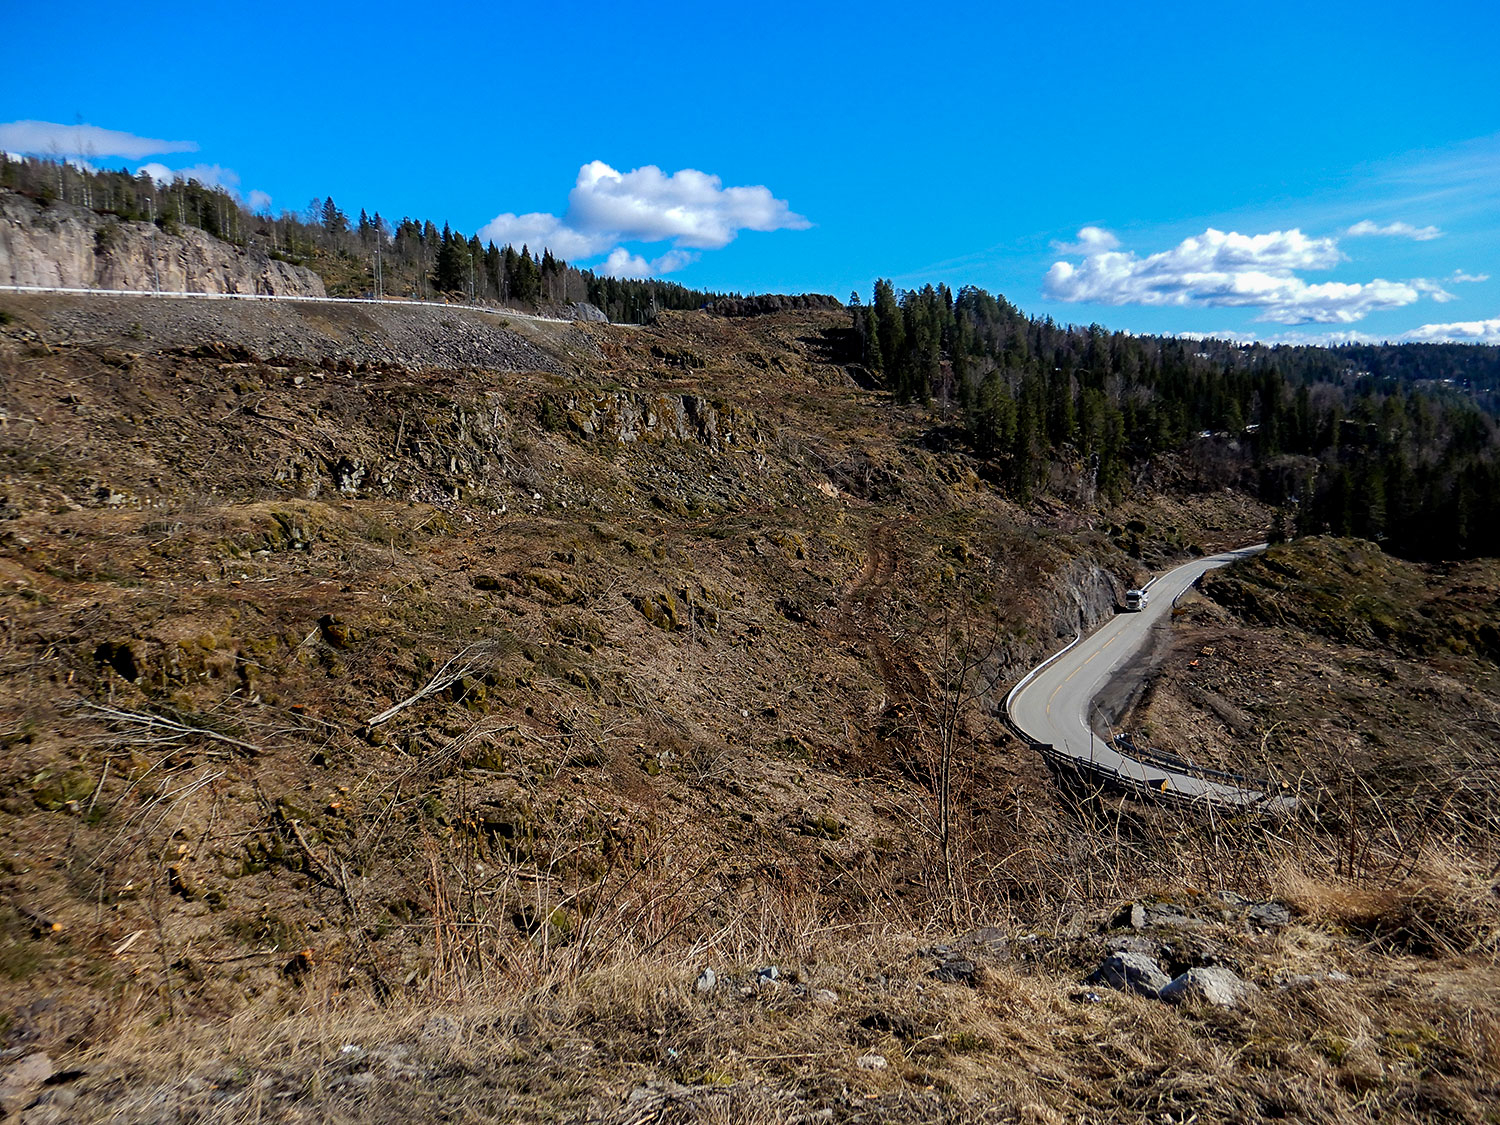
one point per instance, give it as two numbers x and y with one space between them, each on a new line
462 664
167 729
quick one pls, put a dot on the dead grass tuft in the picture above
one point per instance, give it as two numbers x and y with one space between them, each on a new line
1444 910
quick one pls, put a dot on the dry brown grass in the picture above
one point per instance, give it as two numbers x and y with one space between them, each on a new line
1019 1047
1443 910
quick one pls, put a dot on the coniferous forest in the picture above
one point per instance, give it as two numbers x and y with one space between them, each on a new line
1395 443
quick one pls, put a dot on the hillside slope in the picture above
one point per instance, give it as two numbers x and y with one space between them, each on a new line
401 710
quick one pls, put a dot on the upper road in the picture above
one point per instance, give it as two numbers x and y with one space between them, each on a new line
176 295
1052 704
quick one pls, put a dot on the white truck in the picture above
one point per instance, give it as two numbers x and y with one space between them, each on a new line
1136 600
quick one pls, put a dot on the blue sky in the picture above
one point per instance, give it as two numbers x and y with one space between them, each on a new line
1195 167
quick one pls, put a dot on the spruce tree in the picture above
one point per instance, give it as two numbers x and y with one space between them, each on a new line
450 272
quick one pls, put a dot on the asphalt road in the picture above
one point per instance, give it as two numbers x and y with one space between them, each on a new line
1052 705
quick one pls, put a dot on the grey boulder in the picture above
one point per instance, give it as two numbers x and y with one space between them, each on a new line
1209 985
1131 972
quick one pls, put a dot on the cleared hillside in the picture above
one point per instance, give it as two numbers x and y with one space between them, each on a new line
402 710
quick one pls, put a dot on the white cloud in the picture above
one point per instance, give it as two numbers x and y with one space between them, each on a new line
1325 339
211 175
1220 269
1433 289
1091 240
1297 339
47 138
1462 332
691 209
622 263
538 230
1394 230
673 260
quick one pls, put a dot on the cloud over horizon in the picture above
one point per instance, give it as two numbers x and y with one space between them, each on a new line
1226 269
1460 332
83 146
1394 230
48 138
209 175
622 263
607 208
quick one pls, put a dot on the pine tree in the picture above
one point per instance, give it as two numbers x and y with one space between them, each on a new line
494 268
475 264
450 272
890 331
334 221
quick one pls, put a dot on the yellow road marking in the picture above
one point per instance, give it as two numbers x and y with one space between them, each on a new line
1080 668
1085 664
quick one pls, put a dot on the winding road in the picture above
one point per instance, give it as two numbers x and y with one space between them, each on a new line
1051 705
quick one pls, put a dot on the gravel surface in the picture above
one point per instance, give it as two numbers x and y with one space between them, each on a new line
378 335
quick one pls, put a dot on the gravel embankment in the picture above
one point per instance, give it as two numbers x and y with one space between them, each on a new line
310 332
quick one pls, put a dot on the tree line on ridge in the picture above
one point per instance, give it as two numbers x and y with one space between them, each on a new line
354 255
1395 443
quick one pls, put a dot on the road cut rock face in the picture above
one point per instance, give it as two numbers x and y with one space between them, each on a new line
58 245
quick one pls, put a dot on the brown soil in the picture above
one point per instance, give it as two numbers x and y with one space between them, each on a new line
687 600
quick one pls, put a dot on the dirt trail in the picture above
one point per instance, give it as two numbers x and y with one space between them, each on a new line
860 621
876 578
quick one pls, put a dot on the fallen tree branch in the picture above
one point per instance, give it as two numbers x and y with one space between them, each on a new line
169 728
456 668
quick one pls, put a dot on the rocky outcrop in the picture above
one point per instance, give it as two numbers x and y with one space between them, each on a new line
586 312
629 418
1209 984
1131 972
63 246
1086 595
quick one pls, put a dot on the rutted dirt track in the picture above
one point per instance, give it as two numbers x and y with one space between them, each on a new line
875 581
860 619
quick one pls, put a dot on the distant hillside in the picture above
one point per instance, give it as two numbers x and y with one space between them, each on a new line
1397 443
354 257
59 245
